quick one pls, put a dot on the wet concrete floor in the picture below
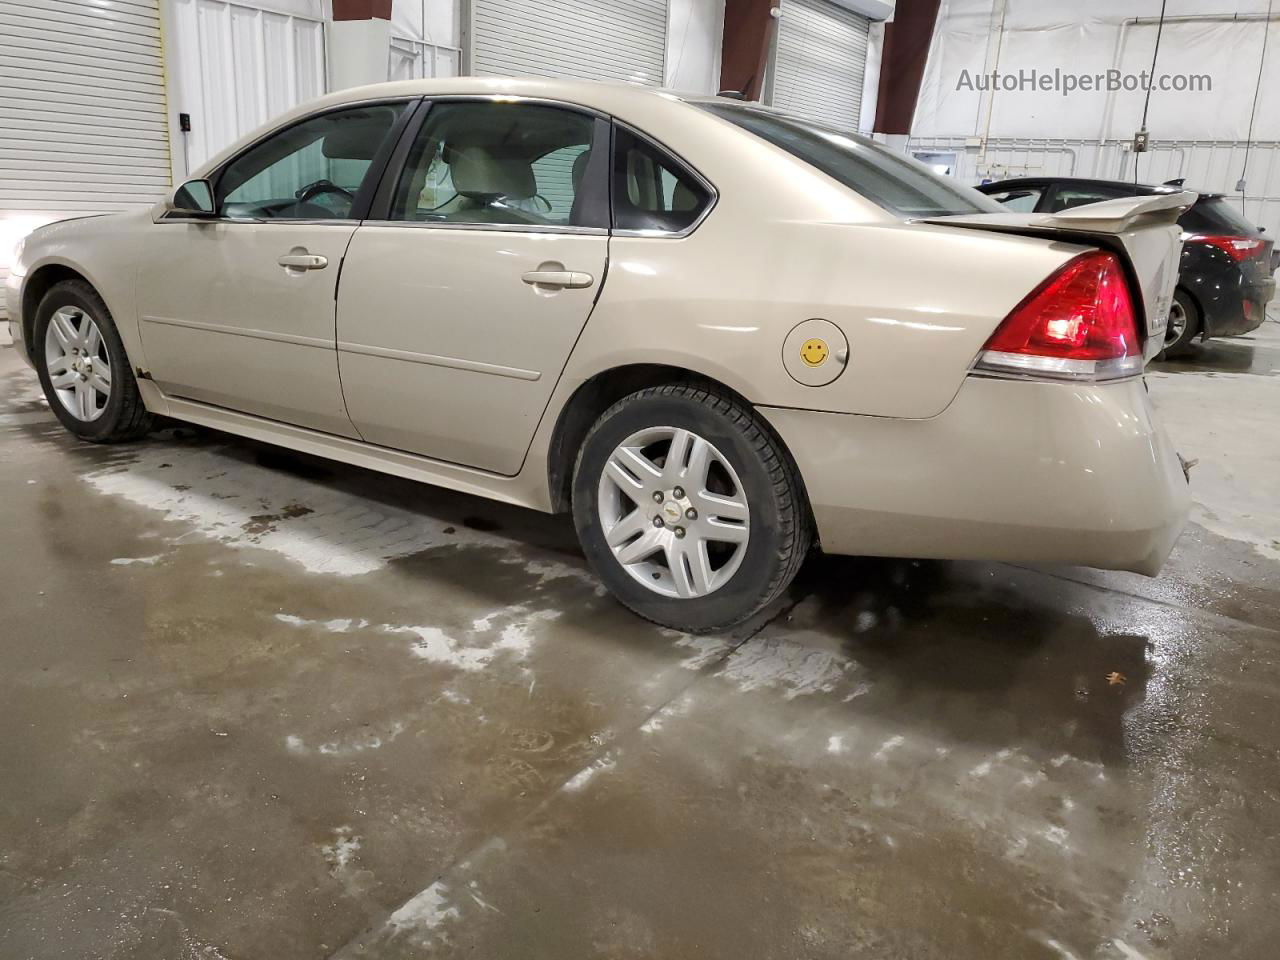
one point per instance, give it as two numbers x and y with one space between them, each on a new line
257 705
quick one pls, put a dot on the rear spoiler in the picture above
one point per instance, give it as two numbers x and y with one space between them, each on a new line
1118 215
1107 216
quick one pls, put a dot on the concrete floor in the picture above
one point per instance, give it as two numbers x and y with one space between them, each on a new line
256 705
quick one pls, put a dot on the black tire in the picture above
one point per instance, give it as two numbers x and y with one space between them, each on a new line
123 416
1181 345
780 526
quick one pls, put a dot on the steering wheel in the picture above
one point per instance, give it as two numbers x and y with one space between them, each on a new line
312 190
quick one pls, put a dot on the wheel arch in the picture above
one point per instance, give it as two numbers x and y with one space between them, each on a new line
39 282
603 390
1190 294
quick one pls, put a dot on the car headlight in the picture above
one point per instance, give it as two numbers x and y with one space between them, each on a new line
17 268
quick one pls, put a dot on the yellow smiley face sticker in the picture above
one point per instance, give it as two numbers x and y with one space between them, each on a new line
814 352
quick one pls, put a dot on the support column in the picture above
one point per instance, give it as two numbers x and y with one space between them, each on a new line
748 34
359 43
906 50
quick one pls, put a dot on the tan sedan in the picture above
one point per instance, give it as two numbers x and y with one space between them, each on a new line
717 334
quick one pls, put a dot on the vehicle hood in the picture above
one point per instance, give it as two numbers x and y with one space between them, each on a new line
56 222
1142 230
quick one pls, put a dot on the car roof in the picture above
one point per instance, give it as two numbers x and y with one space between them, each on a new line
670 117
630 102
601 95
1014 183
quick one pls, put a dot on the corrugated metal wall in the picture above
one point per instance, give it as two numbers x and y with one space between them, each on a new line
589 39
819 62
84 104
82 111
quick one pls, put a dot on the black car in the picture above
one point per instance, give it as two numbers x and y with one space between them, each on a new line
1225 278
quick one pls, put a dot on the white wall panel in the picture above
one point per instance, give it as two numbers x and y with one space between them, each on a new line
431 21
1200 136
426 39
236 66
695 36
1221 38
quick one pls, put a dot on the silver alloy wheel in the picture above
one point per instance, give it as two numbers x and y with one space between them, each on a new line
674 512
1177 323
75 356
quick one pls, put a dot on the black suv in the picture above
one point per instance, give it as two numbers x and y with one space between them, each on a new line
1225 278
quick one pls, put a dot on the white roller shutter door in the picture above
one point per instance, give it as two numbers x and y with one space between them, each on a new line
819 62
588 39
83 125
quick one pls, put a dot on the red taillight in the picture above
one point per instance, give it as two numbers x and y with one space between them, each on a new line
1078 324
1238 248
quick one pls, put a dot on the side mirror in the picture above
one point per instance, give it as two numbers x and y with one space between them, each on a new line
193 199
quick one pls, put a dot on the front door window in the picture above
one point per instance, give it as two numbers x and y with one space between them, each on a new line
309 171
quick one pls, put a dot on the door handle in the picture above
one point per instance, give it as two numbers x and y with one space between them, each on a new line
303 261
558 278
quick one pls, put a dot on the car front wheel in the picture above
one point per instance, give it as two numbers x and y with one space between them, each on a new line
688 509
83 367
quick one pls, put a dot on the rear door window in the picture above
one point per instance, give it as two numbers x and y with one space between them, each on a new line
500 163
556 175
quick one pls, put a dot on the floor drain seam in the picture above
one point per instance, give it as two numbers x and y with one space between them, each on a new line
1194 611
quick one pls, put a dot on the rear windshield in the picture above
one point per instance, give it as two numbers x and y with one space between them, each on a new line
1217 215
886 178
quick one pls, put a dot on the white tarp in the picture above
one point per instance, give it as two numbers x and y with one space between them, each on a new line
694 32
1091 37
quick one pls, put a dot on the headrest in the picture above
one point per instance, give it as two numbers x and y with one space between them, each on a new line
580 168
478 173
683 198
358 138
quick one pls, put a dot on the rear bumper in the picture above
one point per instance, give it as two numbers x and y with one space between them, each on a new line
1239 310
1014 471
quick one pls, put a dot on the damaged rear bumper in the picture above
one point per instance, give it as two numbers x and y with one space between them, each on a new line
1014 471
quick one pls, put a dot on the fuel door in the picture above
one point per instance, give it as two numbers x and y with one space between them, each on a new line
815 352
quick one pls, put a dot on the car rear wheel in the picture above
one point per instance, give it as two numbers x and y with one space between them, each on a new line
688 509
1184 324
83 368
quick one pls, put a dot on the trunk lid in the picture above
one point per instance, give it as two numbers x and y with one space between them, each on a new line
1143 231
